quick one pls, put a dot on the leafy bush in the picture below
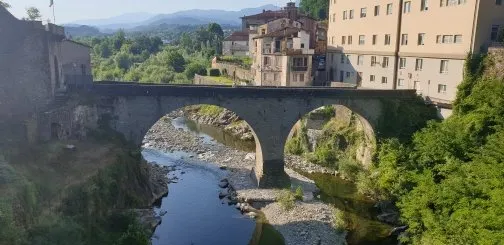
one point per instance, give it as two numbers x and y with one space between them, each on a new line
286 199
195 68
340 220
214 72
299 193
349 169
210 110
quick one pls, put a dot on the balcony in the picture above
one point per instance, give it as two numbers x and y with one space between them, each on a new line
266 51
299 68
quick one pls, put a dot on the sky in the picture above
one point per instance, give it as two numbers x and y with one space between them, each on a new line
71 10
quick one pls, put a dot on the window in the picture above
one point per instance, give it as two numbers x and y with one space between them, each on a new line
404 39
439 39
402 63
445 3
389 9
387 39
384 80
424 5
375 38
343 40
344 15
373 60
495 32
419 65
332 58
334 18
407 7
421 38
267 61
385 62
332 40
444 66
351 14
347 74
376 10
302 45
458 39
400 82
348 59
301 77
362 39
349 40
441 88
363 12
342 59
360 60
447 39
372 78
342 76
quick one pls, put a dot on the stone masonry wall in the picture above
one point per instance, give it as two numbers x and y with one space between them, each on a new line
234 71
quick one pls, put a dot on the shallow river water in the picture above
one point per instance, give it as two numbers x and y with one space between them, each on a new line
195 215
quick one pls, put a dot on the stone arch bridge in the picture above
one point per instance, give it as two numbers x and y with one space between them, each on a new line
132 109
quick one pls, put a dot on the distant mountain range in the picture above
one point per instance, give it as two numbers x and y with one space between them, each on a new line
139 21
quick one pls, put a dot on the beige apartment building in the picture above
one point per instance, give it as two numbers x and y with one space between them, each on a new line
409 44
281 55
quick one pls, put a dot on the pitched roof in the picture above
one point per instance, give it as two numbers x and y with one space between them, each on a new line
272 15
238 36
284 32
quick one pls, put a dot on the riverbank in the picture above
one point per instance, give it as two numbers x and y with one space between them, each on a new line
309 222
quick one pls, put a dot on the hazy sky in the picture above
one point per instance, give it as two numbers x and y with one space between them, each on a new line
70 10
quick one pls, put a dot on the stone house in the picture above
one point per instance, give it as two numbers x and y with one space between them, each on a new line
282 57
237 44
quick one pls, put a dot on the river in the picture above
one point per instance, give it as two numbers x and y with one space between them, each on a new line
196 215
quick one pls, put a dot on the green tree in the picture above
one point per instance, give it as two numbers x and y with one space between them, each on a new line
195 68
33 13
4 4
173 59
317 9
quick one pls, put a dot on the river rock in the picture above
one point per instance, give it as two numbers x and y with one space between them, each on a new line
223 193
252 215
224 183
250 156
223 167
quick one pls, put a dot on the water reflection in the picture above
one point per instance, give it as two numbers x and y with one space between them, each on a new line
358 210
209 133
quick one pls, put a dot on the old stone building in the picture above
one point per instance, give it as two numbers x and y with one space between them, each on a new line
282 57
237 44
34 59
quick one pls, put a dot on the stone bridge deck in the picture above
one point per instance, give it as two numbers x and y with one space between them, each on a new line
271 112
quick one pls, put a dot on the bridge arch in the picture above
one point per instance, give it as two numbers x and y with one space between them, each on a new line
270 112
343 129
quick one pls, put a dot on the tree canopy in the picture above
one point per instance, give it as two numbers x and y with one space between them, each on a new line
4 4
318 9
33 13
449 180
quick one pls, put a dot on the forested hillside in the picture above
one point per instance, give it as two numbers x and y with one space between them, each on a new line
449 181
144 58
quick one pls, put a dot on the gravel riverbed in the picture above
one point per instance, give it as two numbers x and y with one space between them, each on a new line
309 222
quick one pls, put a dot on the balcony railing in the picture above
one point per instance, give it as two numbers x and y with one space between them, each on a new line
299 68
267 51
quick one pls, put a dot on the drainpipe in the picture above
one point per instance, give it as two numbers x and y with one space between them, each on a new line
475 20
398 45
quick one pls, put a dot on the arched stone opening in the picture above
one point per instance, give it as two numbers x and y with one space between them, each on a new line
331 133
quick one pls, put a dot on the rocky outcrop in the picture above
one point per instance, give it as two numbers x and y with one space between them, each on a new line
226 119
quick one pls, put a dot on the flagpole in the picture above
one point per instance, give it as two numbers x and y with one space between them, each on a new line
54 16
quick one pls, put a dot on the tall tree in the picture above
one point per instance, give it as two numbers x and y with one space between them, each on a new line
317 9
33 13
4 4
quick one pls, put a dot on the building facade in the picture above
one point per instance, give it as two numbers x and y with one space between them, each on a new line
409 44
282 57
237 44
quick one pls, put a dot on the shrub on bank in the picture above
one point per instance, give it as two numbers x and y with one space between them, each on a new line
214 72
286 199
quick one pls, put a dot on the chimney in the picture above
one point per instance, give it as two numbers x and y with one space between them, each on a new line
292 11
